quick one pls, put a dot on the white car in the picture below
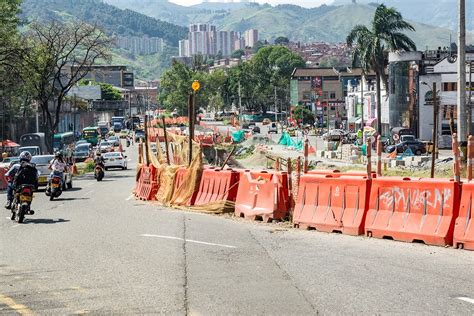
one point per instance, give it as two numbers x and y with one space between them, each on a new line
106 146
115 160
114 140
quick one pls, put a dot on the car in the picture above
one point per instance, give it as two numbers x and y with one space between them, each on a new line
124 133
417 147
81 152
7 162
407 138
115 160
334 135
106 146
33 150
139 134
42 165
83 141
272 129
114 140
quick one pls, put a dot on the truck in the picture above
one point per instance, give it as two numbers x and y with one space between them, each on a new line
118 121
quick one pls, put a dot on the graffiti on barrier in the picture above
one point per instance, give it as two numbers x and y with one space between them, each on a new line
417 198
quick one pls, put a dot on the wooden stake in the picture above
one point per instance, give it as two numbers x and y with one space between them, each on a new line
369 158
456 167
166 141
379 156
470 156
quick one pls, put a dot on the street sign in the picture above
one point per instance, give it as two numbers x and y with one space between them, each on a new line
196 85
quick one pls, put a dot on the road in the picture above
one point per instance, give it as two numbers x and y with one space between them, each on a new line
97 250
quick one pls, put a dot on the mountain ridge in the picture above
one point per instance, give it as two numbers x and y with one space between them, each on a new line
330 23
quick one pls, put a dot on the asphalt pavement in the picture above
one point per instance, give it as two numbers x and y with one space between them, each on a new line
98 250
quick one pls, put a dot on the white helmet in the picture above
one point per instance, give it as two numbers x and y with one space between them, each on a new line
25 156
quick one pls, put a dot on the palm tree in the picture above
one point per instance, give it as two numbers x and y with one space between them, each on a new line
373 44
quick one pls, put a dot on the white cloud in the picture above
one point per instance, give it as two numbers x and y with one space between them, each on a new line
303 3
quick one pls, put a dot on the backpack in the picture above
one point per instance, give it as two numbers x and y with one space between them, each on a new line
26 174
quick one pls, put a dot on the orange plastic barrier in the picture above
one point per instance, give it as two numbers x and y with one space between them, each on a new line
412 210
464 226
262 195
3 179
340 173
332 203
149 185
217 185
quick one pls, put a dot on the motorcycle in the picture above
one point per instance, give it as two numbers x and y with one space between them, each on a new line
99 172
54 188
128 142
21 205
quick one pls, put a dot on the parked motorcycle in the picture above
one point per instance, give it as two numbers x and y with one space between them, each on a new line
54 188
99 172
21 205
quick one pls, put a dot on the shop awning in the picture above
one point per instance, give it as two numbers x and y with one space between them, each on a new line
352 120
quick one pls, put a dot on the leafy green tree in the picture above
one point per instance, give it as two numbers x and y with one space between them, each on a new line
373 44
175 87
9 46
238 53
282 40
302 114
60 55
109 92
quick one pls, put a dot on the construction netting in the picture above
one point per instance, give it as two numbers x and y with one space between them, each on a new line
178 182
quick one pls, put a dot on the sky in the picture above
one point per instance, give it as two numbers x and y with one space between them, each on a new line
303 3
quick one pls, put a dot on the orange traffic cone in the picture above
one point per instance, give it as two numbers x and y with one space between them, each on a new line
74 169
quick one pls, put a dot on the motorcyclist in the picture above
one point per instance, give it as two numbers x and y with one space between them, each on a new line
99 160
19 174
58 166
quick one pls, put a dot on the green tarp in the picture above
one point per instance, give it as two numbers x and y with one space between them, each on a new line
238 136
286 140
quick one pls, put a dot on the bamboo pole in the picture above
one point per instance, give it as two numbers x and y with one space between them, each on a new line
166 141
369 158
379 156
456 167
470 156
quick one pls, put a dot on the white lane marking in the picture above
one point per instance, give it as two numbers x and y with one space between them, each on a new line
15 225
466 299
130 197
189 240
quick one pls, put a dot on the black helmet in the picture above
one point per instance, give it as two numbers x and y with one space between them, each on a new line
58 154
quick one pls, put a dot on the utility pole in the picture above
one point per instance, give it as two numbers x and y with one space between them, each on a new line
435 129
362 105
275 92
461 102
74 110
469 101
240 104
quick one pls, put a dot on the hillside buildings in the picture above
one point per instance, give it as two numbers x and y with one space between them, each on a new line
205 39
141 45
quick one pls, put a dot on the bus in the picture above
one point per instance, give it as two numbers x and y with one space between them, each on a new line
63 140
34 139
91 134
